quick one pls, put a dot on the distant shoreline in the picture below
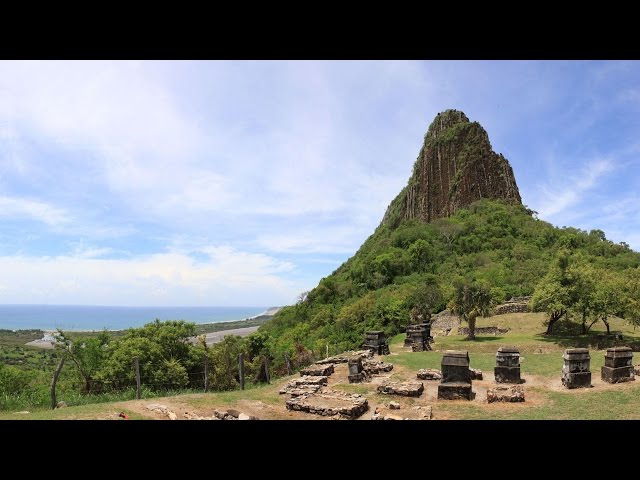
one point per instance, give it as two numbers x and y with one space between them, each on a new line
220 329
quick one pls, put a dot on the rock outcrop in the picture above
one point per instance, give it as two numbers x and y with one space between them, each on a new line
456 166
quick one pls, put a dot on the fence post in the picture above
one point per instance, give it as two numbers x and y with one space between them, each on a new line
136 366
327 352
287 363
241 365
206 373
54 380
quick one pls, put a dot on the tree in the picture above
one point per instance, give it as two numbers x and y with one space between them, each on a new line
86 353
426 299
471 300
609 296
554 294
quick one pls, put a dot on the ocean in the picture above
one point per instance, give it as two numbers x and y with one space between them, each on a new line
89 317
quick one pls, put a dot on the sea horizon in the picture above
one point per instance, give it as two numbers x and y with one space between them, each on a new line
114 317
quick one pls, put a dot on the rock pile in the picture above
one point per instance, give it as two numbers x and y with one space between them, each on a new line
407 389
429 374
329 403
514 393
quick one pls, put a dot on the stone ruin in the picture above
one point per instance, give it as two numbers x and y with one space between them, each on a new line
406 389
376 341
356 371
418 337
429 374
456 376
330 403
322 370
344 357
575 372
374 367
618 365
475 373
514 393
507 369
305 384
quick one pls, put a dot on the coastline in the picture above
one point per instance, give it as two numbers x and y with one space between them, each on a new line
47 341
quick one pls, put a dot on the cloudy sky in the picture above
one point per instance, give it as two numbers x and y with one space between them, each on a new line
244 183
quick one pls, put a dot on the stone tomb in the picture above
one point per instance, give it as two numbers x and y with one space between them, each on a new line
356 370
376 341
456 376
507 369
618 365
575 372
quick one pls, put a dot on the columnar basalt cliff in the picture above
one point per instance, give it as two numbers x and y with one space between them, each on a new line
456 166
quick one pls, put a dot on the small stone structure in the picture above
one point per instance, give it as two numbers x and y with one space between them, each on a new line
329 403
456 376
302 385
373 367
356 370
406 389
297 390
232 414
344 357
322 370
376 341
476 373
429 374
575 372
505 394
507 369
618 365
513 305
418 336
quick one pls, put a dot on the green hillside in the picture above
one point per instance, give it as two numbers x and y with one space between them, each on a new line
500 245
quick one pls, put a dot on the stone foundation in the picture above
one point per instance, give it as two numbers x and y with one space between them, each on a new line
373 367
323 370
330 403
344 357
407 389
455 391
505 394
429 374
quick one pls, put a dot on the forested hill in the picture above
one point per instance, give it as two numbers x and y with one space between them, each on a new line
479 233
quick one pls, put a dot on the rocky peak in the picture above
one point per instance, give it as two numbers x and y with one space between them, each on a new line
455 167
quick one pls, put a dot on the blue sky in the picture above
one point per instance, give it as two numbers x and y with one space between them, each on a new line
245 183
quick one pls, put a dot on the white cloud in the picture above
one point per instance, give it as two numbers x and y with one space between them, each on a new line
568 190
21 208
227 277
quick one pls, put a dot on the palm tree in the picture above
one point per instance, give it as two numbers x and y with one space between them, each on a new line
470 301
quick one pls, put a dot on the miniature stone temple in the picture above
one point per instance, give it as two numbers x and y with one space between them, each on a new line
356 370
427 331
376 342
507 369
417 338
456 377
618 365
575 372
